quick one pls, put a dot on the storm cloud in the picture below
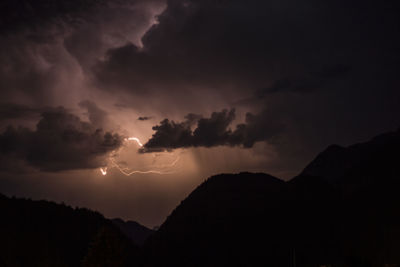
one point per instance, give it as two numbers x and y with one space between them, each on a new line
144 118
309 64
213 131
9 111
307 83
252 44
49 47
61 141
293 76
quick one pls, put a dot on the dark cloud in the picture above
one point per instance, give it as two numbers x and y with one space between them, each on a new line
263 126
307 74
97 117
145 118
204 55
320 66
307 83
35 14
213 131
61 141
19 14
248 44
170 134
15 111
120 22
49 47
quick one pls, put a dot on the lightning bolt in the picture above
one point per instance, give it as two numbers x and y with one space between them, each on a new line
126 171
159 169
134 139
103 170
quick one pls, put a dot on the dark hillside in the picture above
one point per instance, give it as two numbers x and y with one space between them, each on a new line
356 199
42 233
223 222
133 230
341 210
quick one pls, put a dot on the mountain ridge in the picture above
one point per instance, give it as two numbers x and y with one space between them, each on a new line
136 232
341 210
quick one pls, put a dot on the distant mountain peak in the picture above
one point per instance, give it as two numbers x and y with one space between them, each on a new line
336 161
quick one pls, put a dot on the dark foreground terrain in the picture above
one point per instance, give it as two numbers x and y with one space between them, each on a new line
342 210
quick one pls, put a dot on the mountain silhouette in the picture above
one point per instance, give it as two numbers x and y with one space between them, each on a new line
135 231
364 164
341 210
363 221
42 233
229 220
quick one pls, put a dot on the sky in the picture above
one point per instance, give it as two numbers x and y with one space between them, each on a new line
125 106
